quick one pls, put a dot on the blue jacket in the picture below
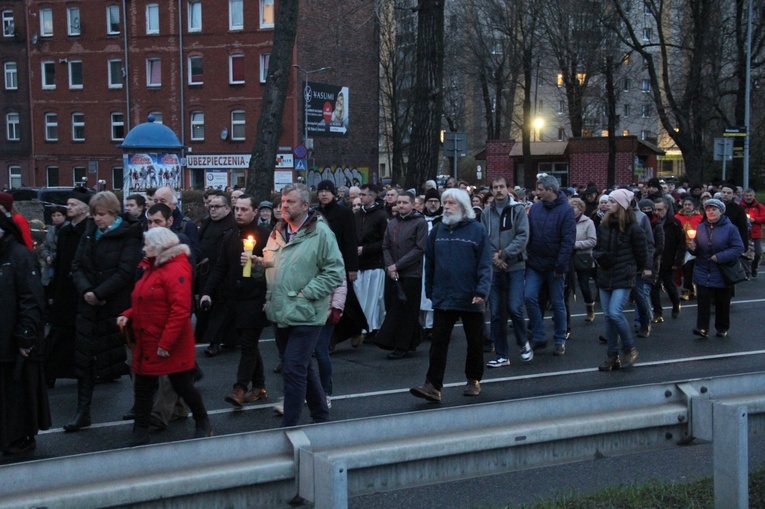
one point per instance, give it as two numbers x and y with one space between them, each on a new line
552 234
721 239
458 266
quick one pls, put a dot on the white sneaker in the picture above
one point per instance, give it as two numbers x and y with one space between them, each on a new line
329 401
498 362
527 353
279 407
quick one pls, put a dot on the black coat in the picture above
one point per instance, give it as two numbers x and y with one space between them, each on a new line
674 243
343 224
370 228
737 216
246 295
625 250
107 268
65 296
211 235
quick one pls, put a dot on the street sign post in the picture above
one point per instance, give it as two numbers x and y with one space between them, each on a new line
723 152
455 145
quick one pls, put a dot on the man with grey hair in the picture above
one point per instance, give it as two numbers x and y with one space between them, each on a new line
552 233
457 280
303 267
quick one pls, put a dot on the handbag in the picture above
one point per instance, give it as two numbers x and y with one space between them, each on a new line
583 261
128 334
732 272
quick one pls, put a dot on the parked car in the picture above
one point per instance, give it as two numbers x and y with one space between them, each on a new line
47 196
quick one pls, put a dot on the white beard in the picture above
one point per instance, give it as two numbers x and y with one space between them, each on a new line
450 219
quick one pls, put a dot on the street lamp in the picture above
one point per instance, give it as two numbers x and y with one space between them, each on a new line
539 123
307 97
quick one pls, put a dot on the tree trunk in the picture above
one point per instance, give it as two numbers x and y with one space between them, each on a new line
428 92
260 177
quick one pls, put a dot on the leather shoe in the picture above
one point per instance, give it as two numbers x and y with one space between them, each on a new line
397 354
701 333
426 391
236 397
212 350
255 394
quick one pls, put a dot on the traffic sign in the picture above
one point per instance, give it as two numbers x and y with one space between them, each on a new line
300 165
300 151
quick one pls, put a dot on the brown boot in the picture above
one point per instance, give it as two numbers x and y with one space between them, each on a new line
590 313
473 388
236 397
255 394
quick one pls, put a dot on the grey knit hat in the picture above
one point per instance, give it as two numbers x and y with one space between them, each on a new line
714 202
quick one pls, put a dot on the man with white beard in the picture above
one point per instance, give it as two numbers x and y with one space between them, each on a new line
457 280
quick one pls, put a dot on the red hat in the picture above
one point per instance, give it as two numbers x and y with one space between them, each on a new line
6 200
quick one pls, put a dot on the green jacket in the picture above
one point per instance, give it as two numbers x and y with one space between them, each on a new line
302 274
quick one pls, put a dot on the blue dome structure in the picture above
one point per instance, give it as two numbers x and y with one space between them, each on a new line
151 136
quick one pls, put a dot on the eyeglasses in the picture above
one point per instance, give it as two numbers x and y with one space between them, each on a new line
216 207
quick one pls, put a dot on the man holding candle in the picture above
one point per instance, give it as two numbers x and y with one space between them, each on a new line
303 267
234 274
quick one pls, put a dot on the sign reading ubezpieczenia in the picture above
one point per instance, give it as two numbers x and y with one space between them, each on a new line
328 107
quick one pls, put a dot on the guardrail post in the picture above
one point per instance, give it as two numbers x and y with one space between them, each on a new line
731 456
330 483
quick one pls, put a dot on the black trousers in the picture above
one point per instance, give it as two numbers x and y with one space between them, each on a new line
667 277
183 384
721 297
443 324
250 361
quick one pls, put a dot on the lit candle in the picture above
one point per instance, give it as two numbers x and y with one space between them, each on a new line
249 245
691 234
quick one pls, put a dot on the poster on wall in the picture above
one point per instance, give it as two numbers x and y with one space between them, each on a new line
216 179
145 171
281 179
327 112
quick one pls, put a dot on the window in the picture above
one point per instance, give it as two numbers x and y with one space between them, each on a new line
561 107
78 127
197 125
157 116
561 134
46 22
51 127
644 135
118 126
645 85
9 26
266 13
73 21
118 176
646 8
627 85
115 73
12 127
627 110
646 111
152 19
49 75
647 34
112 19
236 69
265 59
195 15
235 14
196 70
626 59
153 72
237 125
75 74
78 175
14 176
581 77
51 176
559 79
11 76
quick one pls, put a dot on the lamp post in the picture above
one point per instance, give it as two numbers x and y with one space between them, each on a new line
538 125
307 97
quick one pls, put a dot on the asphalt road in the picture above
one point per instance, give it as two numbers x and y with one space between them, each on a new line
368 384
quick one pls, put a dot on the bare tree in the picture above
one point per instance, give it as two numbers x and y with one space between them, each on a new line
260 177
428 93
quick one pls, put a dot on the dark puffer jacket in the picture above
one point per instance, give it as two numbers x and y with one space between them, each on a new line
106 267
625 251
370 226
721 240
552 234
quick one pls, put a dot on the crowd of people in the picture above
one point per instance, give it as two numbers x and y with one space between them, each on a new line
112 290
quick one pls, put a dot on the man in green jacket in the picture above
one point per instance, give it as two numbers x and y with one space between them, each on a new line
303 267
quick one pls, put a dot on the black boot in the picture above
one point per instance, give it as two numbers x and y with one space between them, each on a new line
84 397
140 436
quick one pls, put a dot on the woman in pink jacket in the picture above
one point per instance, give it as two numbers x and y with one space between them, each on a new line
161 319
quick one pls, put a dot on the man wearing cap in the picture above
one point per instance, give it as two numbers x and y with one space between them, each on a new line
61 338
6 207
552 234
432 214
266 215
672 258
653 189
737 216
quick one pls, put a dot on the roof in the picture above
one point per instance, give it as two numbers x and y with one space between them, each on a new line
541 149
652 147
150 135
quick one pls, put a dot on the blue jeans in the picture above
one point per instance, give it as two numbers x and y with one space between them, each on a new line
323 360
617 326
507 288
296 345
643 313
534 280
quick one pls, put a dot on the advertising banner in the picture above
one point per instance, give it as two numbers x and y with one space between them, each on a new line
327 112
217 179
144 171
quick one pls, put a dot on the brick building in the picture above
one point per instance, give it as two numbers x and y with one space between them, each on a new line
574 162
88 71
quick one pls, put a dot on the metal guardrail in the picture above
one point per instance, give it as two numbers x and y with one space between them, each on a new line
327 463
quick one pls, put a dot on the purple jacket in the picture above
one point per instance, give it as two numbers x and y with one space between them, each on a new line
721 239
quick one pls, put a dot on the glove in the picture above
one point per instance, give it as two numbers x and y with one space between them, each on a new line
334 316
